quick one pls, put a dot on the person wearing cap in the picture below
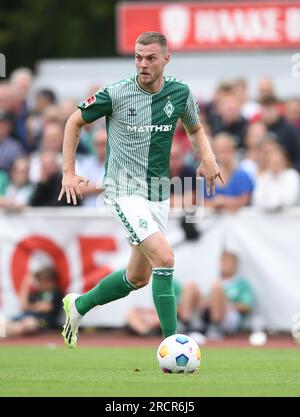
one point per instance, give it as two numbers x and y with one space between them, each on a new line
10 149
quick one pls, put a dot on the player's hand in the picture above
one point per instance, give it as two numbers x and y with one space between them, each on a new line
210 170
70 187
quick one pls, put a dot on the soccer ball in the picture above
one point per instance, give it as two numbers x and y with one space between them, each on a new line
178 354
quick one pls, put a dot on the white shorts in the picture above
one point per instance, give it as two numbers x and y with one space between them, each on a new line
140 217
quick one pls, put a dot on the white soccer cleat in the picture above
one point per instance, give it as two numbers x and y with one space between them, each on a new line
73 318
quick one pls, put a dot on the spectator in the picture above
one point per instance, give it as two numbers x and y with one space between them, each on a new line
255 135
268 144
229 119
211 109
20 80
67 107
52 140
279 185
144 321
285 134
236 192
93 168
5 97
48 188
183 185
230 301
10 150
292 113
43 99
249 109
265 88
40 300
19 190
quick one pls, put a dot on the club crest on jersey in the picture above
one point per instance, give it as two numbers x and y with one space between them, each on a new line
89 101
169 109
131 111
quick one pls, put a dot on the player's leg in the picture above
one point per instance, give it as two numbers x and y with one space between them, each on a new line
160 256
116 285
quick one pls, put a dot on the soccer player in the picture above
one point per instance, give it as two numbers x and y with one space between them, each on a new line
141 114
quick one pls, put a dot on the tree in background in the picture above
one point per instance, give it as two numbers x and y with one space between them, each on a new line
33 30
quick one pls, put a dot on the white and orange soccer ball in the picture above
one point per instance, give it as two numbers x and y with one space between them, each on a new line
179 354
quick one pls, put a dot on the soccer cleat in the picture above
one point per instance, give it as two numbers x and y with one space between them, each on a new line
73 318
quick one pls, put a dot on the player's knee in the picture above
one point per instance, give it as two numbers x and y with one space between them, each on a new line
164 259
141 283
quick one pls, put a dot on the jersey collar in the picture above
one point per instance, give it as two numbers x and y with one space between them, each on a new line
147 92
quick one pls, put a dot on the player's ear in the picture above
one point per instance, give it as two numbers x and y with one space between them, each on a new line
167 58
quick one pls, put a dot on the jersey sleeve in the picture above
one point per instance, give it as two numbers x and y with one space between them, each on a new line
96 106
190 115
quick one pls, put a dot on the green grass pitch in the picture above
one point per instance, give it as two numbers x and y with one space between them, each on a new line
42 371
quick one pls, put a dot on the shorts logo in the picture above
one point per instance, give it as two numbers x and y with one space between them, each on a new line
169 109
89 101
143 224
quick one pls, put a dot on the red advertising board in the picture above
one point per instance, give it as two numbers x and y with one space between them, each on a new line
211 26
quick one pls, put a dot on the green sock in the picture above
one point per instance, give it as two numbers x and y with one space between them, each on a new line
164 299
110 288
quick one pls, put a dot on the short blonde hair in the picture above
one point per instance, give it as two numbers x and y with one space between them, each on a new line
147 38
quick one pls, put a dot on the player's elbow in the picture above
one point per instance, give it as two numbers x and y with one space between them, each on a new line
76 120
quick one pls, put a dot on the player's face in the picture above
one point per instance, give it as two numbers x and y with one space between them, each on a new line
150 61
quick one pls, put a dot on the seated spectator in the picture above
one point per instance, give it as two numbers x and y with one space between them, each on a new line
145 322
48 188
10 150
183 180
20 188
40 300
238 187
229 119
279 185
93 168
255 135
230 300
285 134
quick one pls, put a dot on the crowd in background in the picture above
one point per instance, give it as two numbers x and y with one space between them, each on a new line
256 142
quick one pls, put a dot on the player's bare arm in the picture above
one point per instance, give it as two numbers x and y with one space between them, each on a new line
71 182
208 167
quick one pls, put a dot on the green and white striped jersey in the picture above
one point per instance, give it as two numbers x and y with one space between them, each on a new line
140 128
